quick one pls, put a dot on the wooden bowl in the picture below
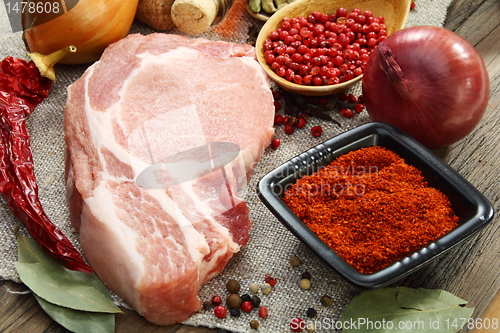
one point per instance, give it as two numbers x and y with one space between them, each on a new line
395 13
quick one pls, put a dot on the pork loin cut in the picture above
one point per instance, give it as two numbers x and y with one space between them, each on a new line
161 133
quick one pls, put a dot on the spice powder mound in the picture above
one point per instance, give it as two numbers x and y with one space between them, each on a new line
371 208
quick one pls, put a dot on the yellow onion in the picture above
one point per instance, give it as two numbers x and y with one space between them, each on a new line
45 63
91 25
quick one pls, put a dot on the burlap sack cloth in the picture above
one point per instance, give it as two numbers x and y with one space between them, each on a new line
270 245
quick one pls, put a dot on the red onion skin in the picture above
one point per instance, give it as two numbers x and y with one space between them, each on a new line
443 90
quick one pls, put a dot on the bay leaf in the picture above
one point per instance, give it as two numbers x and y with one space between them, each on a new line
79 321
402 309
28 251
58 286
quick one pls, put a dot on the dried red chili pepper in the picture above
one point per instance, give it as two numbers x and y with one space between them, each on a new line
22 88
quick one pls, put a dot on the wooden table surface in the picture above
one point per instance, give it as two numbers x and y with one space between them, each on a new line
471 271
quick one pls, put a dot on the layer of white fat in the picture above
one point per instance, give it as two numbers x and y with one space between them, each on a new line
100 127
100 204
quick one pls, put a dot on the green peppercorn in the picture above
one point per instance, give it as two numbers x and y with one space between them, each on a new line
253 288
234 301
311 313
255 301
295 261
305 284
265 288
235 312
254 324
306 275
246 298
326 300
233 286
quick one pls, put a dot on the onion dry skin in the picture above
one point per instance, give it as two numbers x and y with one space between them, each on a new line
90 26
428 81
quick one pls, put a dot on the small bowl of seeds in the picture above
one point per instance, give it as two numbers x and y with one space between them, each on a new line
320 47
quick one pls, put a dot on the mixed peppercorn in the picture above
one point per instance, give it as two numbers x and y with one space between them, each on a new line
237 303
297 324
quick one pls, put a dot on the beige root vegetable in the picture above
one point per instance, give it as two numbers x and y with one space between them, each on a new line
194 17
156 13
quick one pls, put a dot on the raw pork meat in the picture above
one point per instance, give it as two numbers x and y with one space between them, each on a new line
161 133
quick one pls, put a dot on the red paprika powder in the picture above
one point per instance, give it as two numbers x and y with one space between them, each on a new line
371 208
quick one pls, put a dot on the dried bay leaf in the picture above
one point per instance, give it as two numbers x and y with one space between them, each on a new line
59 287
49 280
79 321
402 309
28 251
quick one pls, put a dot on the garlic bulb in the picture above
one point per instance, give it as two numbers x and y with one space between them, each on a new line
91 25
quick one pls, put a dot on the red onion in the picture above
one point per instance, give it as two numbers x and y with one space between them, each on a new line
429 82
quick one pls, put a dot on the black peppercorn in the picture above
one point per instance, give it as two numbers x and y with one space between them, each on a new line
306 275
311 313
235 312
255 301
246 298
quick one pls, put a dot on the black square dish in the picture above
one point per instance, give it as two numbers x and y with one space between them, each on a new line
472 208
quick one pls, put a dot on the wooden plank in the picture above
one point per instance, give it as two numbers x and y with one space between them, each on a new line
459 12
21 313
490 320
